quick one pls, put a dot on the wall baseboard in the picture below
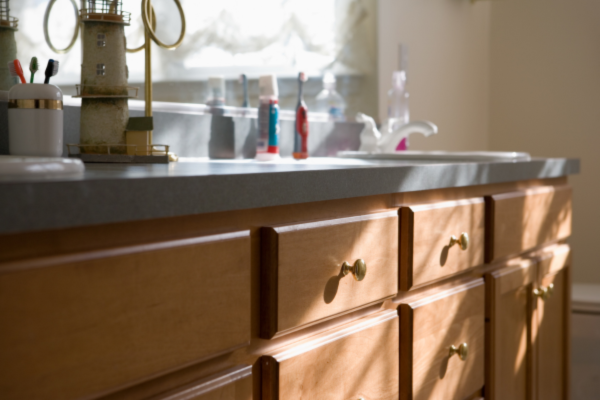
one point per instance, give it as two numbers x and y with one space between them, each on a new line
586 298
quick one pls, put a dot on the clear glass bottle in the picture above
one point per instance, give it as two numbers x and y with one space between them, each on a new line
398 99
330 101
398 110
216 91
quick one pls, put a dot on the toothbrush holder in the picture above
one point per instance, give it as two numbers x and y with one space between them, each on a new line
35 120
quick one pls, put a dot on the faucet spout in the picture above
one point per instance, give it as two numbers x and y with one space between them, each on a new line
389 141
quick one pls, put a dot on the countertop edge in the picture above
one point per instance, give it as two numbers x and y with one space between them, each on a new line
37 206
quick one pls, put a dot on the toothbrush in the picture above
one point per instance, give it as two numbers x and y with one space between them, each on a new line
301 128
33 67
244 82
51 70
16 70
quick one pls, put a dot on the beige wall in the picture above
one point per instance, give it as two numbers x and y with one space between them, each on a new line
448 74
545 99
507 75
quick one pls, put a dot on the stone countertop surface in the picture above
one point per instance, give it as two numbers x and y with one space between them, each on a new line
110 193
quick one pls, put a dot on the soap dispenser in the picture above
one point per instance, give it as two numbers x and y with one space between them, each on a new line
398 112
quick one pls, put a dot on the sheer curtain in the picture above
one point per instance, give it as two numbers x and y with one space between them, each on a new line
225 37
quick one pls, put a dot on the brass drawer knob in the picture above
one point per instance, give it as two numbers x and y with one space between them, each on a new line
463 241
462 351
359 269
544 292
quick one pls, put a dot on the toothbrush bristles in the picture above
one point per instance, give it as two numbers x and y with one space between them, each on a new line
55 68
16 70
33 65
51 70
302 77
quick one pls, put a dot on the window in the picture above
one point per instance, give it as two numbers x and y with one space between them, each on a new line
100 69
229 37
101 40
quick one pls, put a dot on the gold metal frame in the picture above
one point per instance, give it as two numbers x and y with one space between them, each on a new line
33 104
47 35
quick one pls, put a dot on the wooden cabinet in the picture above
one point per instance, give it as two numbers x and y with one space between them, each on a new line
303 279
82 324
520 221
431 326
234 384
527 314
357 361
440 240
282 308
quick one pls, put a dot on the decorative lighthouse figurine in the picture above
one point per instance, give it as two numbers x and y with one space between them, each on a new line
8 45
103 89
106 128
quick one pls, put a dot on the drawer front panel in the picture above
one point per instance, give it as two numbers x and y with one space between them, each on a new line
302 275
234 384
427 252
358 361
520 221
89 323
429 327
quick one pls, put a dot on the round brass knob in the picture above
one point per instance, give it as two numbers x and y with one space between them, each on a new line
359 269
462 351
550 289
463 241
544 292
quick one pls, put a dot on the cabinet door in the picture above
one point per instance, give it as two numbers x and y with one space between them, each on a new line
552 317
508 331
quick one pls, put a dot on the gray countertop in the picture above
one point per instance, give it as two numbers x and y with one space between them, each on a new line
118 193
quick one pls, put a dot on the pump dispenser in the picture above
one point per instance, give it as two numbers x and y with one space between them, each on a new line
398 112
330 101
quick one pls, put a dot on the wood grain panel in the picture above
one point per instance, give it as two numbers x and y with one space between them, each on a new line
526 219
508 332
234 384
89 323
301 276
425 231
429 326
553 320
359 360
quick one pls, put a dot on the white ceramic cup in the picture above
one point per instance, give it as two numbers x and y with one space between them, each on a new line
35 120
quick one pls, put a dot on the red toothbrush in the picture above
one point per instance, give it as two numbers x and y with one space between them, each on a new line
16 70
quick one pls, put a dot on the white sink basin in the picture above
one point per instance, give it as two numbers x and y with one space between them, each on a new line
15 167
450 156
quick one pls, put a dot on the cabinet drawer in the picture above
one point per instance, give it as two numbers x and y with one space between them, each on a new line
302 273
233 384
429 327
357 361
519 221
89 323
427 251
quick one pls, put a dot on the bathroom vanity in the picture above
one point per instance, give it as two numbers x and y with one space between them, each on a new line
327 279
